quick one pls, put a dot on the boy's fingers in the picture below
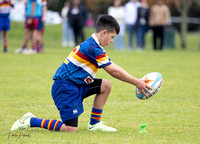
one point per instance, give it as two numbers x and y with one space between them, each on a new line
149 87
140 91
146 80
147 91
144 92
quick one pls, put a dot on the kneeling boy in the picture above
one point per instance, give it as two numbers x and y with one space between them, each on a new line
75 80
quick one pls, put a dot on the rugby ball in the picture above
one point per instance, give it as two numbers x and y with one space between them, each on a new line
155 82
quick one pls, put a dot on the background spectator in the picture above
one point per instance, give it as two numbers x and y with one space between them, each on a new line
5 7
142 25
130 19
41 27
89 22
159 18
77 16
68 35
118 12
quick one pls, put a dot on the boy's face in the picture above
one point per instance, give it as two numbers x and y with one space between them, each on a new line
107 38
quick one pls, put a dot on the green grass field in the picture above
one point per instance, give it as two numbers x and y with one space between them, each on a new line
172 114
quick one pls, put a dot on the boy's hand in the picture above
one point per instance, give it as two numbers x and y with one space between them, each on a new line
30 20
142 87
43 19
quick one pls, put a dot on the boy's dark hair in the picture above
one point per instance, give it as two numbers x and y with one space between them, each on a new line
107 22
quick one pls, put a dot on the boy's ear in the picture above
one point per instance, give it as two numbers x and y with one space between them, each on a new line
103 32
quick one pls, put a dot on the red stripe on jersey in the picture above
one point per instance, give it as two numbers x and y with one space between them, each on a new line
82 56
85 58
4 4
101 56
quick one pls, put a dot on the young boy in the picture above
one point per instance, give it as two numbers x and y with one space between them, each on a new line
5 7
41 27
75 80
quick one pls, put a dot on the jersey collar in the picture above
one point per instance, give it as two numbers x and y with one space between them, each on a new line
96 40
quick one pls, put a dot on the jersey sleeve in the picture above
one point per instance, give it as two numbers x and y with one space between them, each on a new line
97 55
103 60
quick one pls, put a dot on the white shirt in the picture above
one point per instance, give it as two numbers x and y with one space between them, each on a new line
64 12
118 13
131 12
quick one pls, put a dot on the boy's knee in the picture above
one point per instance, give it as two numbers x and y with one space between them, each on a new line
65 128
106 85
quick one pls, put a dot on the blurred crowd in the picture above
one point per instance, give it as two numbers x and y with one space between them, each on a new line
138 18
134 17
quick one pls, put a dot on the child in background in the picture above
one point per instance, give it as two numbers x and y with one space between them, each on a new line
5 7
41 27
35 15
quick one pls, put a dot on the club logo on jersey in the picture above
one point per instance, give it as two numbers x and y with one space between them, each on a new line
88 80
75 111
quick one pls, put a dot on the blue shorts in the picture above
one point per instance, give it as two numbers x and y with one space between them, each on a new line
68 98
4 23
40 25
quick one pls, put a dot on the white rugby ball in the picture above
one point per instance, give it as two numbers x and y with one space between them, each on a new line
155 82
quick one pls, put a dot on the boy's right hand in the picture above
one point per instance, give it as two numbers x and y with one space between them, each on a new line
142 86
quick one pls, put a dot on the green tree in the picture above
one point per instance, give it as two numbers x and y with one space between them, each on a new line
183 7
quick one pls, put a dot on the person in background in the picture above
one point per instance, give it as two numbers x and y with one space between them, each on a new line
27 33
130 20
118 12
77 16
159 18
68 35
34 13
5 7
142 25
89 22
41 28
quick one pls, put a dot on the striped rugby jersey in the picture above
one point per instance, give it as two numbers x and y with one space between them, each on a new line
83 62
5 7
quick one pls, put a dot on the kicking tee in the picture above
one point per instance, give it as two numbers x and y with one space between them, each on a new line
83 62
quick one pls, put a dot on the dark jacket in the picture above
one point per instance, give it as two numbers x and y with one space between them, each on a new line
142 13
77 19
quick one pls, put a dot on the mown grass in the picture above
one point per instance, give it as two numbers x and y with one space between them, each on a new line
172 114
